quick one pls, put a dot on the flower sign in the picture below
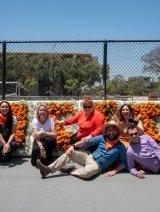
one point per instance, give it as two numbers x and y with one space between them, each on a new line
20 111
59 111
149 111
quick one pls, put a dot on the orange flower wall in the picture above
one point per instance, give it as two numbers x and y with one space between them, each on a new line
59 111
148 112
21 112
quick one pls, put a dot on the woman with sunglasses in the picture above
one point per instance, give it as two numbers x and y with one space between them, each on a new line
8 124
44 136
125 117
89 121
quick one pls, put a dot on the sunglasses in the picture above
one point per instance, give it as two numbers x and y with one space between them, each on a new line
132 134
85 107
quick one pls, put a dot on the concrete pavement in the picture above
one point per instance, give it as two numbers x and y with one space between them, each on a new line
23 190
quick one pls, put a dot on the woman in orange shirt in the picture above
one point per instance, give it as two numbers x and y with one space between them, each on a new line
89 121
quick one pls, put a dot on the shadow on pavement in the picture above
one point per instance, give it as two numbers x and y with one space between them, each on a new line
14 162
67 174
55 175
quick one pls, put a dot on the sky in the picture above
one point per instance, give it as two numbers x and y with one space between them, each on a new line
79 20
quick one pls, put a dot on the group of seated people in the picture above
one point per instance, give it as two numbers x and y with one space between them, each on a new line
97 147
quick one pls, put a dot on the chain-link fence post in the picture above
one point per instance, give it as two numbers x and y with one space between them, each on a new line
105 68
3 70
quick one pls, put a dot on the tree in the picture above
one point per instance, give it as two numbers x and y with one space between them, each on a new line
152 61
117 86
70 75
24 68
137 86
134 86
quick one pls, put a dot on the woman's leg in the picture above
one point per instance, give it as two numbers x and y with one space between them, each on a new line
8 156
14 146
49 145
35 154
1 149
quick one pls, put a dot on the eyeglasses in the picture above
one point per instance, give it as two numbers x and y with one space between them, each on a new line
85 107
132 134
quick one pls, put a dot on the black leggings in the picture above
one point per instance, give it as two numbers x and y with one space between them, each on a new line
49 145
8 156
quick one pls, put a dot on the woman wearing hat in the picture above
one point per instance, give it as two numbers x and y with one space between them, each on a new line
89 121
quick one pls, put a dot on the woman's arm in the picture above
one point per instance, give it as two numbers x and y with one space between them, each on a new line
51 133
35 130
12 136
6 147
140 126
72 120
35 134
2 140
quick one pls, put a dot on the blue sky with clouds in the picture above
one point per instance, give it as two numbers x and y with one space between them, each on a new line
79 20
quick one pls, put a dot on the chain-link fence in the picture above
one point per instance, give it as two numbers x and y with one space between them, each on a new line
72 69
134 69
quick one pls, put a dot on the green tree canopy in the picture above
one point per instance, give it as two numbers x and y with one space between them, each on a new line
152 61
69 74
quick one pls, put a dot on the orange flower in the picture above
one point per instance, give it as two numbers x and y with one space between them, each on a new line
148 111
21 112
59 111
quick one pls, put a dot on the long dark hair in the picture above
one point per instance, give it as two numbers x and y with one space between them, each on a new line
120 115
9 116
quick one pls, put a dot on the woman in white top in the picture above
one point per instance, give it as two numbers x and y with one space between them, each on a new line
8 124
44 136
